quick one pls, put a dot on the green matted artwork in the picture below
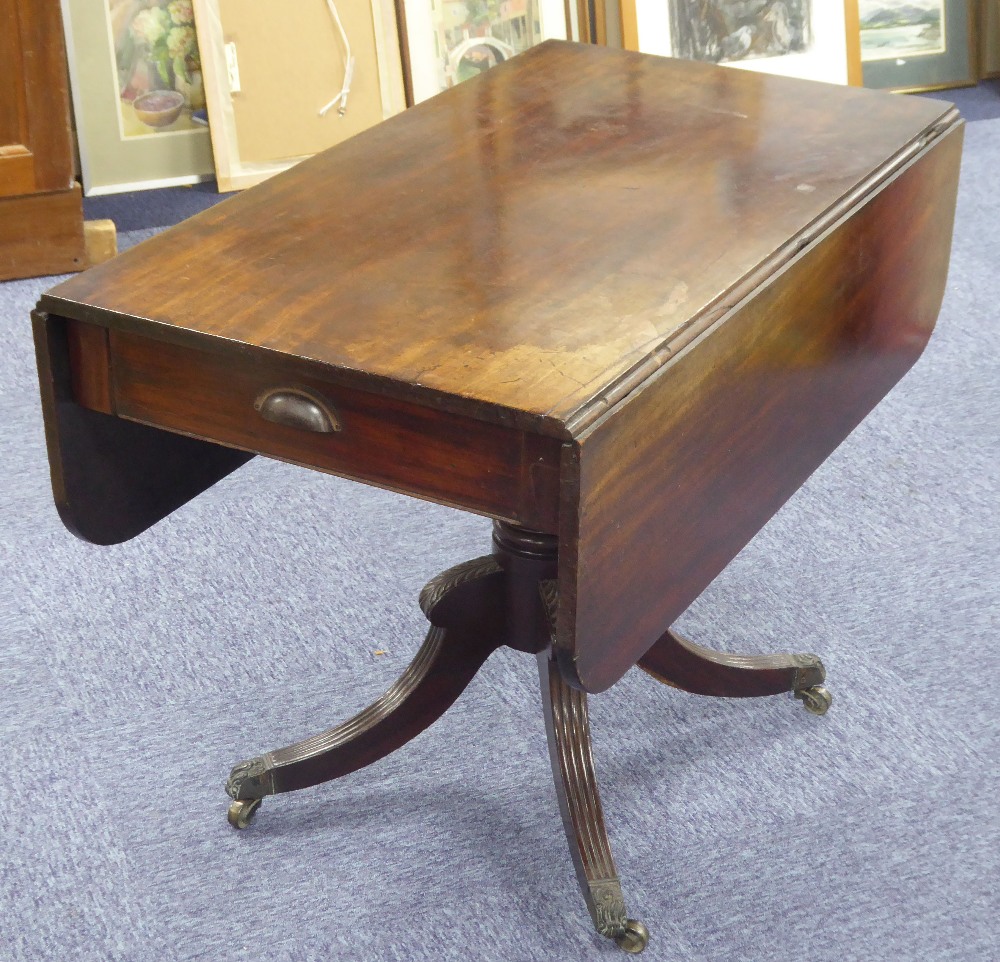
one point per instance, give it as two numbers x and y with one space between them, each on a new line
914 45
138 98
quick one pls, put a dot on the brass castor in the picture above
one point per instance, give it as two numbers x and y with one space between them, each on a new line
816 699
242 811
634 938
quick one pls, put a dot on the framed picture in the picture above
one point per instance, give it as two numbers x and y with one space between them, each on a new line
989 36
595 21
138 98
284 81
913 45
810 39
444 42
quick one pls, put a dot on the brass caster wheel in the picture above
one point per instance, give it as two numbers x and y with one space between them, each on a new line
816 699
242 811
635 937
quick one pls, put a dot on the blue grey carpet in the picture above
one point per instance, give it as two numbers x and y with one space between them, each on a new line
981 102
134 676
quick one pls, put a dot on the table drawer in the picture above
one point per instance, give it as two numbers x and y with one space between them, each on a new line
281 408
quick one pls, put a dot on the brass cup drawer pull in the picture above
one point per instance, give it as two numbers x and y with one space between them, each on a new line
298 409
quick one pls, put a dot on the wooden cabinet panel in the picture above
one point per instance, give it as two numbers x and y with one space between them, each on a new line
35 143
41 213
16 160
41 234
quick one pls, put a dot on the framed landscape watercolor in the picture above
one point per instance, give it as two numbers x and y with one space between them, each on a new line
917 44
811 39
138 98
444 42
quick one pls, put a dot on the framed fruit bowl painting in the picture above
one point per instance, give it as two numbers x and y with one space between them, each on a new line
138 97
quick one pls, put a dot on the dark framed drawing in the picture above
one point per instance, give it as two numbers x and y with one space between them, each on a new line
913 45
740 31
444 42
810 39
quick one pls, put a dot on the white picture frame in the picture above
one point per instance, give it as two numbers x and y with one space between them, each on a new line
437 41
833 54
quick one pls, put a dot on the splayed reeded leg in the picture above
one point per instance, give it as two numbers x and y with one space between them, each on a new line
568 729
465 606
509 598
681 663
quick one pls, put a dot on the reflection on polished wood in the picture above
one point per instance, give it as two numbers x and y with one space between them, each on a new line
577 206
646 295
623 305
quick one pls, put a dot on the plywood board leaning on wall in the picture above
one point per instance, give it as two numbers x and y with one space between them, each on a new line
270 68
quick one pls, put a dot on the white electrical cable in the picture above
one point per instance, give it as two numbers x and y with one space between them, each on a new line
341 98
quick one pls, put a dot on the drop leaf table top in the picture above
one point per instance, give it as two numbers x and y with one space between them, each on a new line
625 302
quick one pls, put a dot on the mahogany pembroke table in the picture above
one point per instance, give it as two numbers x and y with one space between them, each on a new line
622 305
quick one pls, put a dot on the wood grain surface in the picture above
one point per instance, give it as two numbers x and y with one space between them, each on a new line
490 468
89 365
516 246
41 234
675 481
36 150
689 283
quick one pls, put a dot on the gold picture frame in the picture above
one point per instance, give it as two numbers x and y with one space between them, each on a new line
816 40
596 21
